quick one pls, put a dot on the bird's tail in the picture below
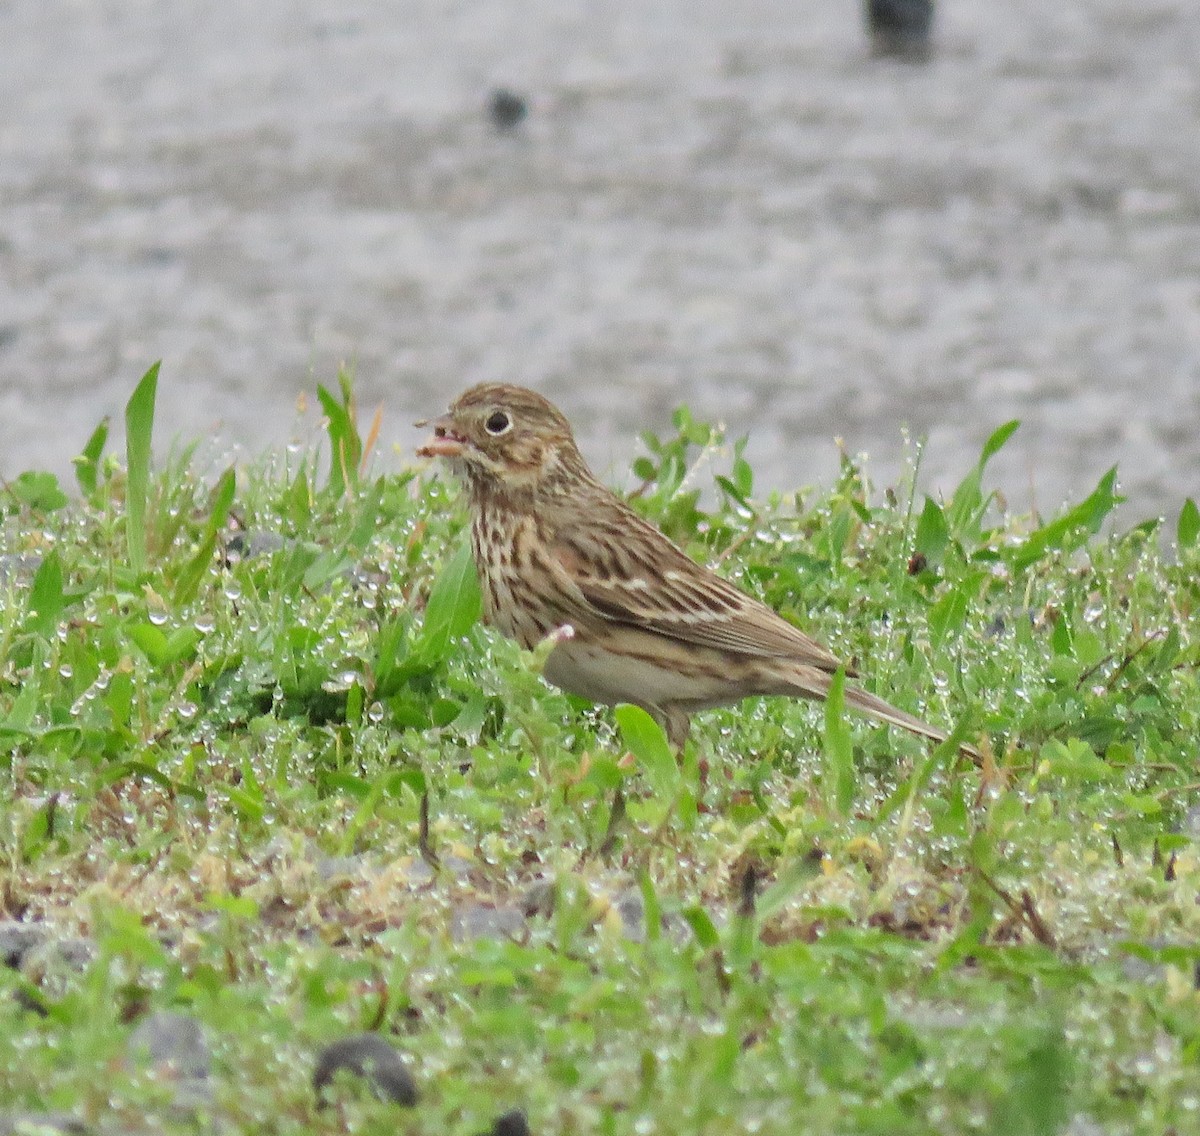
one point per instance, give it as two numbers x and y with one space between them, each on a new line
815 684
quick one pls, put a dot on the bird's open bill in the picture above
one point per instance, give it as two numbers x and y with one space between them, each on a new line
444 443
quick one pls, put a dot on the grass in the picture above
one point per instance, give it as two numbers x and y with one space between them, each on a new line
257 749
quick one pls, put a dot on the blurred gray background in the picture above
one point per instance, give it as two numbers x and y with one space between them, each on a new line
732 205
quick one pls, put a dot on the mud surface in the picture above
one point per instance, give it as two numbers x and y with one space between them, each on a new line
729 205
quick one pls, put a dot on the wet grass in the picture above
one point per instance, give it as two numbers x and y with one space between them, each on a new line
260 756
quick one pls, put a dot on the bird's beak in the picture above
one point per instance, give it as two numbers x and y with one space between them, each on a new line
444 443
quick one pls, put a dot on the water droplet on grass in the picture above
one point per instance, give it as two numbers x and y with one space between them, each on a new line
344 680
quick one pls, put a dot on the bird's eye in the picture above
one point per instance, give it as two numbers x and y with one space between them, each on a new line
498 423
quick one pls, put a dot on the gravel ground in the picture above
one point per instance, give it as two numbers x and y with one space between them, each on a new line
730 205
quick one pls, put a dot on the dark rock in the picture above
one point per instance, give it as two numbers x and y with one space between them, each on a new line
366 1055
632 911
55 964
506 109
75 951
18 939
510 1124
247 545
30 1002
900 27
540 899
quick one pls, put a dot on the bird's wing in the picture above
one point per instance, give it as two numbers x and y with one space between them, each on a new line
626 571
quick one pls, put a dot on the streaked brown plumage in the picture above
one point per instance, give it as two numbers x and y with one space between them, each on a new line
652 627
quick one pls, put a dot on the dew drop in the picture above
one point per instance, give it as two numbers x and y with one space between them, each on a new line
343 680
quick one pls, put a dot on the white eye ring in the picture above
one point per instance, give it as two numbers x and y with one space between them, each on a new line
498 422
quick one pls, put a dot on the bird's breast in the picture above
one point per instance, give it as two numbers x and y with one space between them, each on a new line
511 559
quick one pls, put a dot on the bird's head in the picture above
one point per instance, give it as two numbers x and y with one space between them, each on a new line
506 436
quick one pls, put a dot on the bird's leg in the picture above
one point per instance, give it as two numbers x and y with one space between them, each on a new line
675 723
616 816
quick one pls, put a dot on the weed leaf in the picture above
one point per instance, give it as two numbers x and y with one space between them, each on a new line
453 608
644 738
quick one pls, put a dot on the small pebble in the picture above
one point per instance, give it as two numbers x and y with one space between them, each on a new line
175 1044
470 921
30 1003
1083 1125
339 867
19 567
506 109
632 911
18 939
458 866
539 899
1189 825
56 964
248 545
40 1124
366 1055
900 27
510 1124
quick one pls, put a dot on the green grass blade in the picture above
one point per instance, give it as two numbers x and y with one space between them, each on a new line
188 583
87 463
345 442
365 525
1188 527
839 752
997 441
139 425
1071 530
